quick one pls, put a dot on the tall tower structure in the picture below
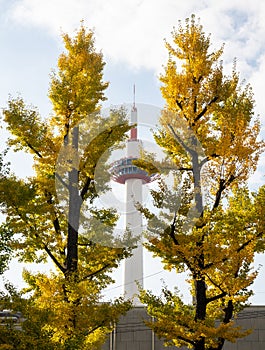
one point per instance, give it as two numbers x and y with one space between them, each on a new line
125 172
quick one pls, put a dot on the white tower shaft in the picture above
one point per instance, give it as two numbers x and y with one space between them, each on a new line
133 268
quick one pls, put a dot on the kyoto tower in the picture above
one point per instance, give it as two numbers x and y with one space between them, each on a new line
125 172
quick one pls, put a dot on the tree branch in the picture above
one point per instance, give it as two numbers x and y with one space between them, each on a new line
179 104
172 230
216 297
34 150
95 328
172 235
186 340
92 274
55 222
205 109
207 159
184 169
46 248
222 186
85 188
85 244
218 194
48 251
228 316
62 181
187 149
244 245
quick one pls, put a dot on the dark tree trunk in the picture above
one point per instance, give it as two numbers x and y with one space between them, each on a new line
200 285
74 207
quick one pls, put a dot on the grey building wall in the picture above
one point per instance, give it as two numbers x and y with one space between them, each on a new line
253 317
132 334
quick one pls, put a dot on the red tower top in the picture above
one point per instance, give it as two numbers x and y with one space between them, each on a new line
124 168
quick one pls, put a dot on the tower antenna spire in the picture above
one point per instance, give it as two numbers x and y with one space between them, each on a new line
134 107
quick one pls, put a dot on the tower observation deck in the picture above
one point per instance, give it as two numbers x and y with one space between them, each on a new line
124 169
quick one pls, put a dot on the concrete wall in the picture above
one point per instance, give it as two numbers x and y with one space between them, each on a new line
132 334
253 318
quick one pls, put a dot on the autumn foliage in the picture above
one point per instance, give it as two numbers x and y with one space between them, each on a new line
210 225
62 231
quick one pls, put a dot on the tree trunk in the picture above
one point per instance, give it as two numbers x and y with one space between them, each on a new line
200 285
201 304
75 202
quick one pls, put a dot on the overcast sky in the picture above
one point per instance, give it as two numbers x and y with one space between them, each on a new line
130 34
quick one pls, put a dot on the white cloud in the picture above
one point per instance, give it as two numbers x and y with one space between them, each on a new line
129 31
257 82
133 31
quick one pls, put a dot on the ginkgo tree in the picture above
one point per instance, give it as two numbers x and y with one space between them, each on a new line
210 225
67 230
6 235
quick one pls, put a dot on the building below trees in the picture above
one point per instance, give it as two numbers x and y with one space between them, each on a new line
132 334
